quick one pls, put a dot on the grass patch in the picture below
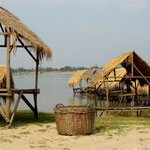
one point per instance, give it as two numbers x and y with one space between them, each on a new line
119 124
25 132
42 130
25 117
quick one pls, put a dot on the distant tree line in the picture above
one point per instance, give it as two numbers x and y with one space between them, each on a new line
49 69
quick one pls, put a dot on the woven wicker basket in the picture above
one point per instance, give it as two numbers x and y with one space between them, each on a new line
74 120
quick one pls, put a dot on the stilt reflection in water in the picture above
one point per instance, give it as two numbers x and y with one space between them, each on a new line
84 99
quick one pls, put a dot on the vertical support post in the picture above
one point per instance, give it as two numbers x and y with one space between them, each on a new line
8 99
135 90
132 72
114 74
36 72
80 85
149 91
107 94
36 86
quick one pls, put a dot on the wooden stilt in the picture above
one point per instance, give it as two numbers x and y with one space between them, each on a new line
35 105
36 86
118 112
101 113
15 109
28 103
2 107
107 94
8 99
4 116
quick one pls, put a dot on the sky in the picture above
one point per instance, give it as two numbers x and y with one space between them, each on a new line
83 32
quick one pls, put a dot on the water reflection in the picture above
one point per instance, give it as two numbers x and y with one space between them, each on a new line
54 90
80 99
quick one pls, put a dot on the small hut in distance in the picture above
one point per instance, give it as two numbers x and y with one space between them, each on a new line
16 35
136 70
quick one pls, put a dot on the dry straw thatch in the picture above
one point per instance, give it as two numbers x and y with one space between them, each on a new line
88 74
19 29
126 61
76 78
120 73
141 90
3 74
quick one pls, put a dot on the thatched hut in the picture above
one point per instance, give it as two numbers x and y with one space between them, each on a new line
88 74
114 79
17 35
135 66
136 69
76 78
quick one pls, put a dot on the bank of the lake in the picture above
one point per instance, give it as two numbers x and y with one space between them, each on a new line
45 73
110 133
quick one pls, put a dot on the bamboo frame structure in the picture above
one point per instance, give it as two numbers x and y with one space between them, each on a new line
7 115
11 39
135 69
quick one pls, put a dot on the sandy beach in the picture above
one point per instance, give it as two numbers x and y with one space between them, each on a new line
45 137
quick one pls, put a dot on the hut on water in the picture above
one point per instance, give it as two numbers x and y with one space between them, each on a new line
16 35
135 69
78 77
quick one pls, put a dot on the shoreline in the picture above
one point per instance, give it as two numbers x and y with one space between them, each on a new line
46 73
119 133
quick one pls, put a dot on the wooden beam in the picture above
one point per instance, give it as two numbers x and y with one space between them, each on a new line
3 109
35 106
5 94
15 108
4 116
114 73
26 48
132 66
18 46
8 82
36 70
28 103
4 33
1 27
25 91
141 74
129 77
107 94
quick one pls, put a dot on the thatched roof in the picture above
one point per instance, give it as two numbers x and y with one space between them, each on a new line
19 29
88 74
126 61
3 75
120 73
141 90
76 78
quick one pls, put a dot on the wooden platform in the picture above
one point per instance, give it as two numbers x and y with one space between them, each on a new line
139 110
21 95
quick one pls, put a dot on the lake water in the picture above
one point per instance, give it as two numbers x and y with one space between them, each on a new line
54 89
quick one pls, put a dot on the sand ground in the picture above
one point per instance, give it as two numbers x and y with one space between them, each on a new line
45 137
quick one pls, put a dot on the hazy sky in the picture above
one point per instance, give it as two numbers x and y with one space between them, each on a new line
84 32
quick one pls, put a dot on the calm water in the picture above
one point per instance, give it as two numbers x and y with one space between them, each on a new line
54 89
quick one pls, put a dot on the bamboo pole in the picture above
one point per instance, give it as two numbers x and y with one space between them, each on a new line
107 94
36 86
8 99
37 69
141 74
132 65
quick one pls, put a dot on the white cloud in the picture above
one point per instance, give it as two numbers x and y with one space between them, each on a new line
133 5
